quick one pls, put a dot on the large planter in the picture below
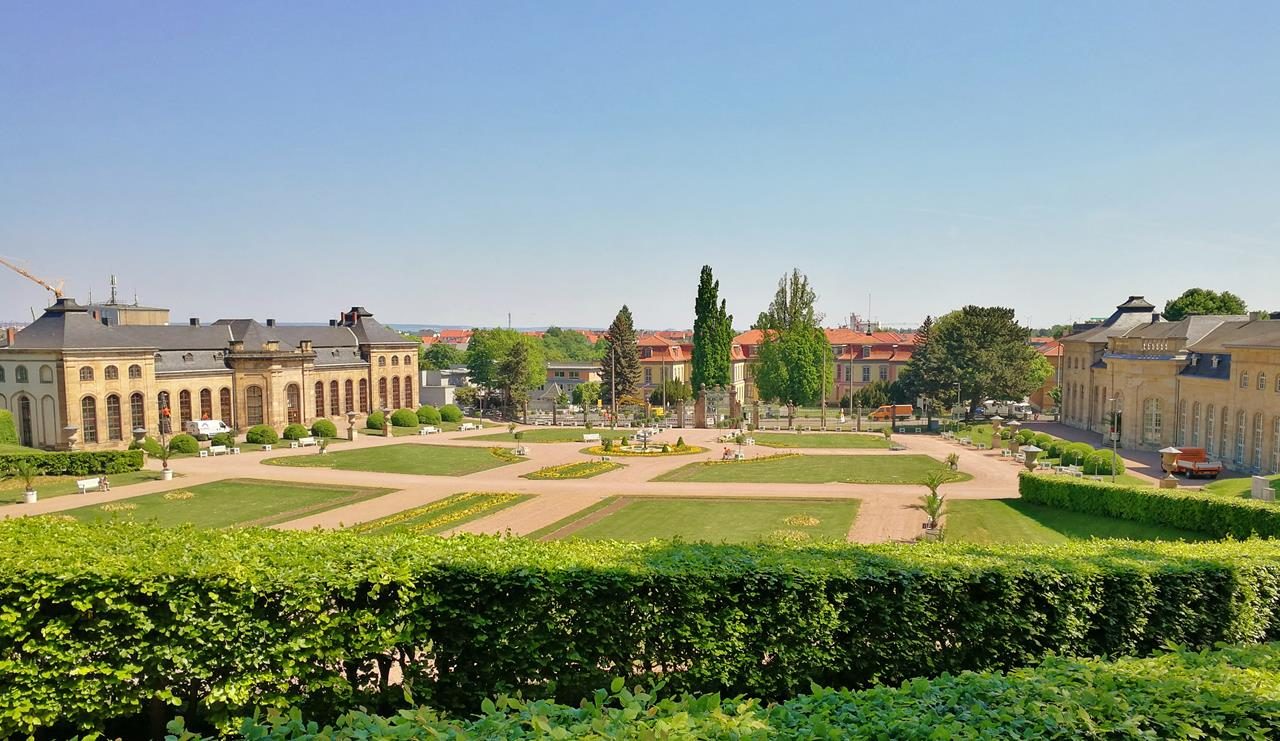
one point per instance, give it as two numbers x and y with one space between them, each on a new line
30 497
166 474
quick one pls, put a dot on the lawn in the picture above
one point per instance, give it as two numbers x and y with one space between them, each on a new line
58 486
715 520
1242 487
559 435
12 449
443 514
814 469
424 460
989 521
234 502
820 440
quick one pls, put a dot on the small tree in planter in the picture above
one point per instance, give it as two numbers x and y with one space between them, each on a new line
163 455
887 432
322 445
27 471
933 503
953 461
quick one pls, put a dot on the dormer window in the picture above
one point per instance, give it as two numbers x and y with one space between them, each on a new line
1195 359
1213 362
188 357
866 351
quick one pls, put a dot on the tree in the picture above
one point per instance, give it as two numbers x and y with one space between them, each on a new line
671 392
490 363
712 336
586 395
440 356
568 344
873 395
521 369
792 306
623 355
911 381
795 358
1200 301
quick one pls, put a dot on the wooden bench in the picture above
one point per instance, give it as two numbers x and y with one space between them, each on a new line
465 426
218 450
428 430
303 442
84 485
591 437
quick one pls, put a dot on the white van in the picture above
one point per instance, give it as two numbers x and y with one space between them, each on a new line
203 429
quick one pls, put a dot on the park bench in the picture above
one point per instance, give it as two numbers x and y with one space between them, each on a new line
465 426
303 442
428 430
983 446
591 437
84 485
218 450
1020 457
1006 453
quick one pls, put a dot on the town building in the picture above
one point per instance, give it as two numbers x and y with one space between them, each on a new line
861 358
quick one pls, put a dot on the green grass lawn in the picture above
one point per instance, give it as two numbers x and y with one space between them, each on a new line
990 521
820 440
1242 487
814 469
59 486
561 435
12 449
443 514
234 502
723 520
424 460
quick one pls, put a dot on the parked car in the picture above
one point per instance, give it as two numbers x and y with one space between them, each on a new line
203 429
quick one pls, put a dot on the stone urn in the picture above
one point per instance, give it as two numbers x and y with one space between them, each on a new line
1030 452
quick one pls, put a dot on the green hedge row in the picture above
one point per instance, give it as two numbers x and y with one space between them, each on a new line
8 431
1216 515
78 463
1228 693
98 620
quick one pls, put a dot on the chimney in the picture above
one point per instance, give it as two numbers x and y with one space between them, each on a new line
304 346
333 322
105 323
271 322
11 334
195 321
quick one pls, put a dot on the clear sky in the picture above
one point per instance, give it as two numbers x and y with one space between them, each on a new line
453 162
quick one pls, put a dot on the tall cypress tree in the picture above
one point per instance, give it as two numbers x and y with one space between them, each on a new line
623 355
712 335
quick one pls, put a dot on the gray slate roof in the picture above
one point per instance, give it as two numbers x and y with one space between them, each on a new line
1134 312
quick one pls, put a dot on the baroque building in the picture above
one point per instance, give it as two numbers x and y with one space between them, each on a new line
72 376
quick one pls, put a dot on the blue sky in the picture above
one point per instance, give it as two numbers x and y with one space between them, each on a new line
453 162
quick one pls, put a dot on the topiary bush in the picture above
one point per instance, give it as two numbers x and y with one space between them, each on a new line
295 432
450 413
1099 462
149 445
1026 436
1006 433
1075 453
262 435
429 415
227 439
1055 447
375 421
404 418
324 428
8 431
1043 440
184 443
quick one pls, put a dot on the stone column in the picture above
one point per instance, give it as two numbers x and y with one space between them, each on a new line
700 410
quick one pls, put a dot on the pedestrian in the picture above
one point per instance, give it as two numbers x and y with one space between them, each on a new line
103 484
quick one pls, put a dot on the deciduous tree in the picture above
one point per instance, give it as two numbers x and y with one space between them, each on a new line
1200 301
794 353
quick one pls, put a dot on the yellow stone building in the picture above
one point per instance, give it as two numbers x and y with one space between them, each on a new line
71 377
1208 382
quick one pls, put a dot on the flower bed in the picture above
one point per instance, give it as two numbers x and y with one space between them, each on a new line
579 470
653 453
505 454
482 502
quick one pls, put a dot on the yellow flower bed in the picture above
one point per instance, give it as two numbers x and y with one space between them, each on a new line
177 496
581 470
657 451
802 521
118 507
505 454
761 459
492 500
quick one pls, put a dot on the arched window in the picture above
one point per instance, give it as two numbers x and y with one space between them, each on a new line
382 362
319 398
111 373
184 406
334 402
408 360
86 373
224 400
382 392
1239 457
206 404
1152 421
135 372
395 392
137 411
1244 379
349 396
1195 425
1210 430
20 374
46 374
1 374
115 430
89 419
253 405
364 394
164 410
408 391
1256 460
395 360
1262 381
1180 433
293 400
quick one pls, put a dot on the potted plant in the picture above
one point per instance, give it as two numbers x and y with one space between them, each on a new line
162 454
934 502
322 445
953 461
27 471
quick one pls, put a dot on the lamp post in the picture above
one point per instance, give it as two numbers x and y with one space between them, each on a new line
1115 437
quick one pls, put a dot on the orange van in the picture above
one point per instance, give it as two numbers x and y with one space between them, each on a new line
896 411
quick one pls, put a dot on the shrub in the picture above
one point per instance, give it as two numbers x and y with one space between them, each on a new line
77 463
8 431
375 421
1043 440
184 443
450 413
295 432
1026 436
1211 514
262 435
1006 433
1075 453
1099 462
404 418
227 439
149 445
1054 449
429 415
608 443
680 442
324 428
317 613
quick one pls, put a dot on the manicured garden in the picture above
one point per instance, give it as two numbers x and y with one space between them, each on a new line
58 486
579 470
234 502
424 460
715 520
791 468
556 435
820 440
443 514
1239 487
992 521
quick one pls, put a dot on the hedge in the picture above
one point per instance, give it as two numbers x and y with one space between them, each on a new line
262 435
1101 462
324 428
227 439
217 622
1043 440
149 445
374 421
78 463
8 431
184 443
1026 436
1226 693
1075 454
1054 449
429 415
404 418
295 432
1212 514
450 413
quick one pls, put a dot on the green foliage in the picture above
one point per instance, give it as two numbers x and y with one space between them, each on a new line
77 463
227 439
184 443
375 421
792 365
404 418
1042 440
23 468
1075 454
108 616
586 394
505 360
623 355
262 435
8 432
1055 447
149 445
568 344
872 396
429 415
440 356
450 413
1199 301
1100 462
1219 516
295 432
673 392
1026 436
324 428
712 335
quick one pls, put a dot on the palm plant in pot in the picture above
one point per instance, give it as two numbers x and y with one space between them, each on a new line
162 454
933 503
27 471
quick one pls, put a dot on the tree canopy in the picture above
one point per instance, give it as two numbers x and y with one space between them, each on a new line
568 344
712 335
794 353
621 352
440 356
1200 301
490 361
793 305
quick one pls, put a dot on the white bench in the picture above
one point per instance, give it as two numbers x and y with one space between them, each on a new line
428 430
467 426
303 442
591 437
84 485
268 446
218 450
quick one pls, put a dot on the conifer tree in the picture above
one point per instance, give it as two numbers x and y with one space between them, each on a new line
712 335
623 356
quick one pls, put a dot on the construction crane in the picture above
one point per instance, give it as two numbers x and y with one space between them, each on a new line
56 290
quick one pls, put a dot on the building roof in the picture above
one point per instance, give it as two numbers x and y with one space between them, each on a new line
1240 334
1132 313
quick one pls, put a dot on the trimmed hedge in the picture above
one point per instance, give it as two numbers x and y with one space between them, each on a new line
450 413
295 432
224 438
404 418
149 445
324 428
429 415
77 463
8 431
184 443
218 622
1054 449
1228 693
1026 436
375 421
1043 440
1076 453
262 435
1100 462
1219 516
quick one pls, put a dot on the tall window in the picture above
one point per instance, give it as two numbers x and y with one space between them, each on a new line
395 360
293 400
1244 379
866 374
115 430
1240 437
364 394
184 406
224 400
408 360
1195 425
319 398
648 376
206 404
46 374
20 375
86 373
884 373
1262 381
135 372
253 405
382 392
137 411
1180 433
334 401
408 391
1152 421
111 373
1210 430
1224 426
395 392
348 397
89 419
1256 460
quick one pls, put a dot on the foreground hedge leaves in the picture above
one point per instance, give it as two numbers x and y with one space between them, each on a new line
97 621
1231 693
